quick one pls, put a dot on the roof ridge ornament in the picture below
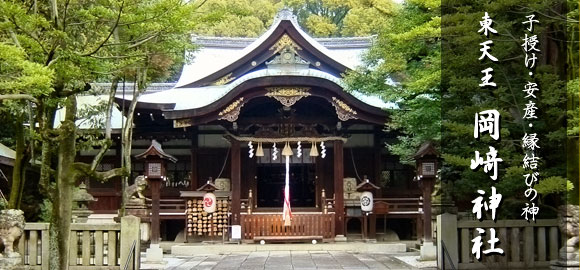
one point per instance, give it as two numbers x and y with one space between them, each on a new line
285 42
285 14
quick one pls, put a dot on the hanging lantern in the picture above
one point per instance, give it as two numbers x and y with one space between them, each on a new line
287 151
313 150
209 204
366 201
366 197
260 150
209 199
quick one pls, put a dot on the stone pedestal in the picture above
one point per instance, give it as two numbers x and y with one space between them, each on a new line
137 207
443 207
154 254
11 263
564 265
340 238
81 215
428 251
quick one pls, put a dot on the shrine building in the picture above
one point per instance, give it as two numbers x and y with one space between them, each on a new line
260 123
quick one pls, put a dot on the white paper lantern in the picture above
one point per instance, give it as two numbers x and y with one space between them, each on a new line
366 201
209 202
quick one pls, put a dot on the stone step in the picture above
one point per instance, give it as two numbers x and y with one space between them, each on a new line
201 249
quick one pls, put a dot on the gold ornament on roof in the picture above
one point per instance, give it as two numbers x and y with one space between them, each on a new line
224 80
288 96
343 110
283 42
232 111
181 123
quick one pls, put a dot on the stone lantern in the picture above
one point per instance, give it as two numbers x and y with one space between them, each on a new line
81 200
427 160
155 161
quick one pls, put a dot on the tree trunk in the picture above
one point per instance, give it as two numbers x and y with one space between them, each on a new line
62 203
19 169
127 132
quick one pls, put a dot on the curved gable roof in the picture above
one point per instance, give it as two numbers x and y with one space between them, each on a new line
224 63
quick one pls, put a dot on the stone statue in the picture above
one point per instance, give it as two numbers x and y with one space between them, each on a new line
11 228
137 189
568 223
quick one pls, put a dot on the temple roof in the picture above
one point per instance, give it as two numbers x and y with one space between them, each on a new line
196 97
221 65
155 149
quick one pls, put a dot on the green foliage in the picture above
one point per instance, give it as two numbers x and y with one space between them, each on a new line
427 63
404 67
3 203
18 74
320 18
554 185
45 211
52 51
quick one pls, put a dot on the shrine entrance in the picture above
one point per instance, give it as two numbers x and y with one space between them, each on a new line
270 185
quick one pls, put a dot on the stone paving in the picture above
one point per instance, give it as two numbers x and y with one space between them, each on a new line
281 260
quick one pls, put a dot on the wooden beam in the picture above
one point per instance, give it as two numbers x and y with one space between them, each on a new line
338 186
236 181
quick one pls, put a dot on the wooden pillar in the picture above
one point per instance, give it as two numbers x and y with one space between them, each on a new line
155 185
338 186
378 166
373 227
236 181
427 185
318 181
365 225
194 147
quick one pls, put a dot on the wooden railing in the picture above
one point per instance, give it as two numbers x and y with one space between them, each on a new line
402 206
91 246
305 226
170 208
33 245
526 245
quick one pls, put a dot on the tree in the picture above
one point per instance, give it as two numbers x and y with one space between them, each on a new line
320 18
18 75
404 67
424 61
80 42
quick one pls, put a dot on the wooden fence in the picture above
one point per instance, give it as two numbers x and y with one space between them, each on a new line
270 227
526 245
92 246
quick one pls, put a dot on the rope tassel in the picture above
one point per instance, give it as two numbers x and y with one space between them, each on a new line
313 150
287 151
